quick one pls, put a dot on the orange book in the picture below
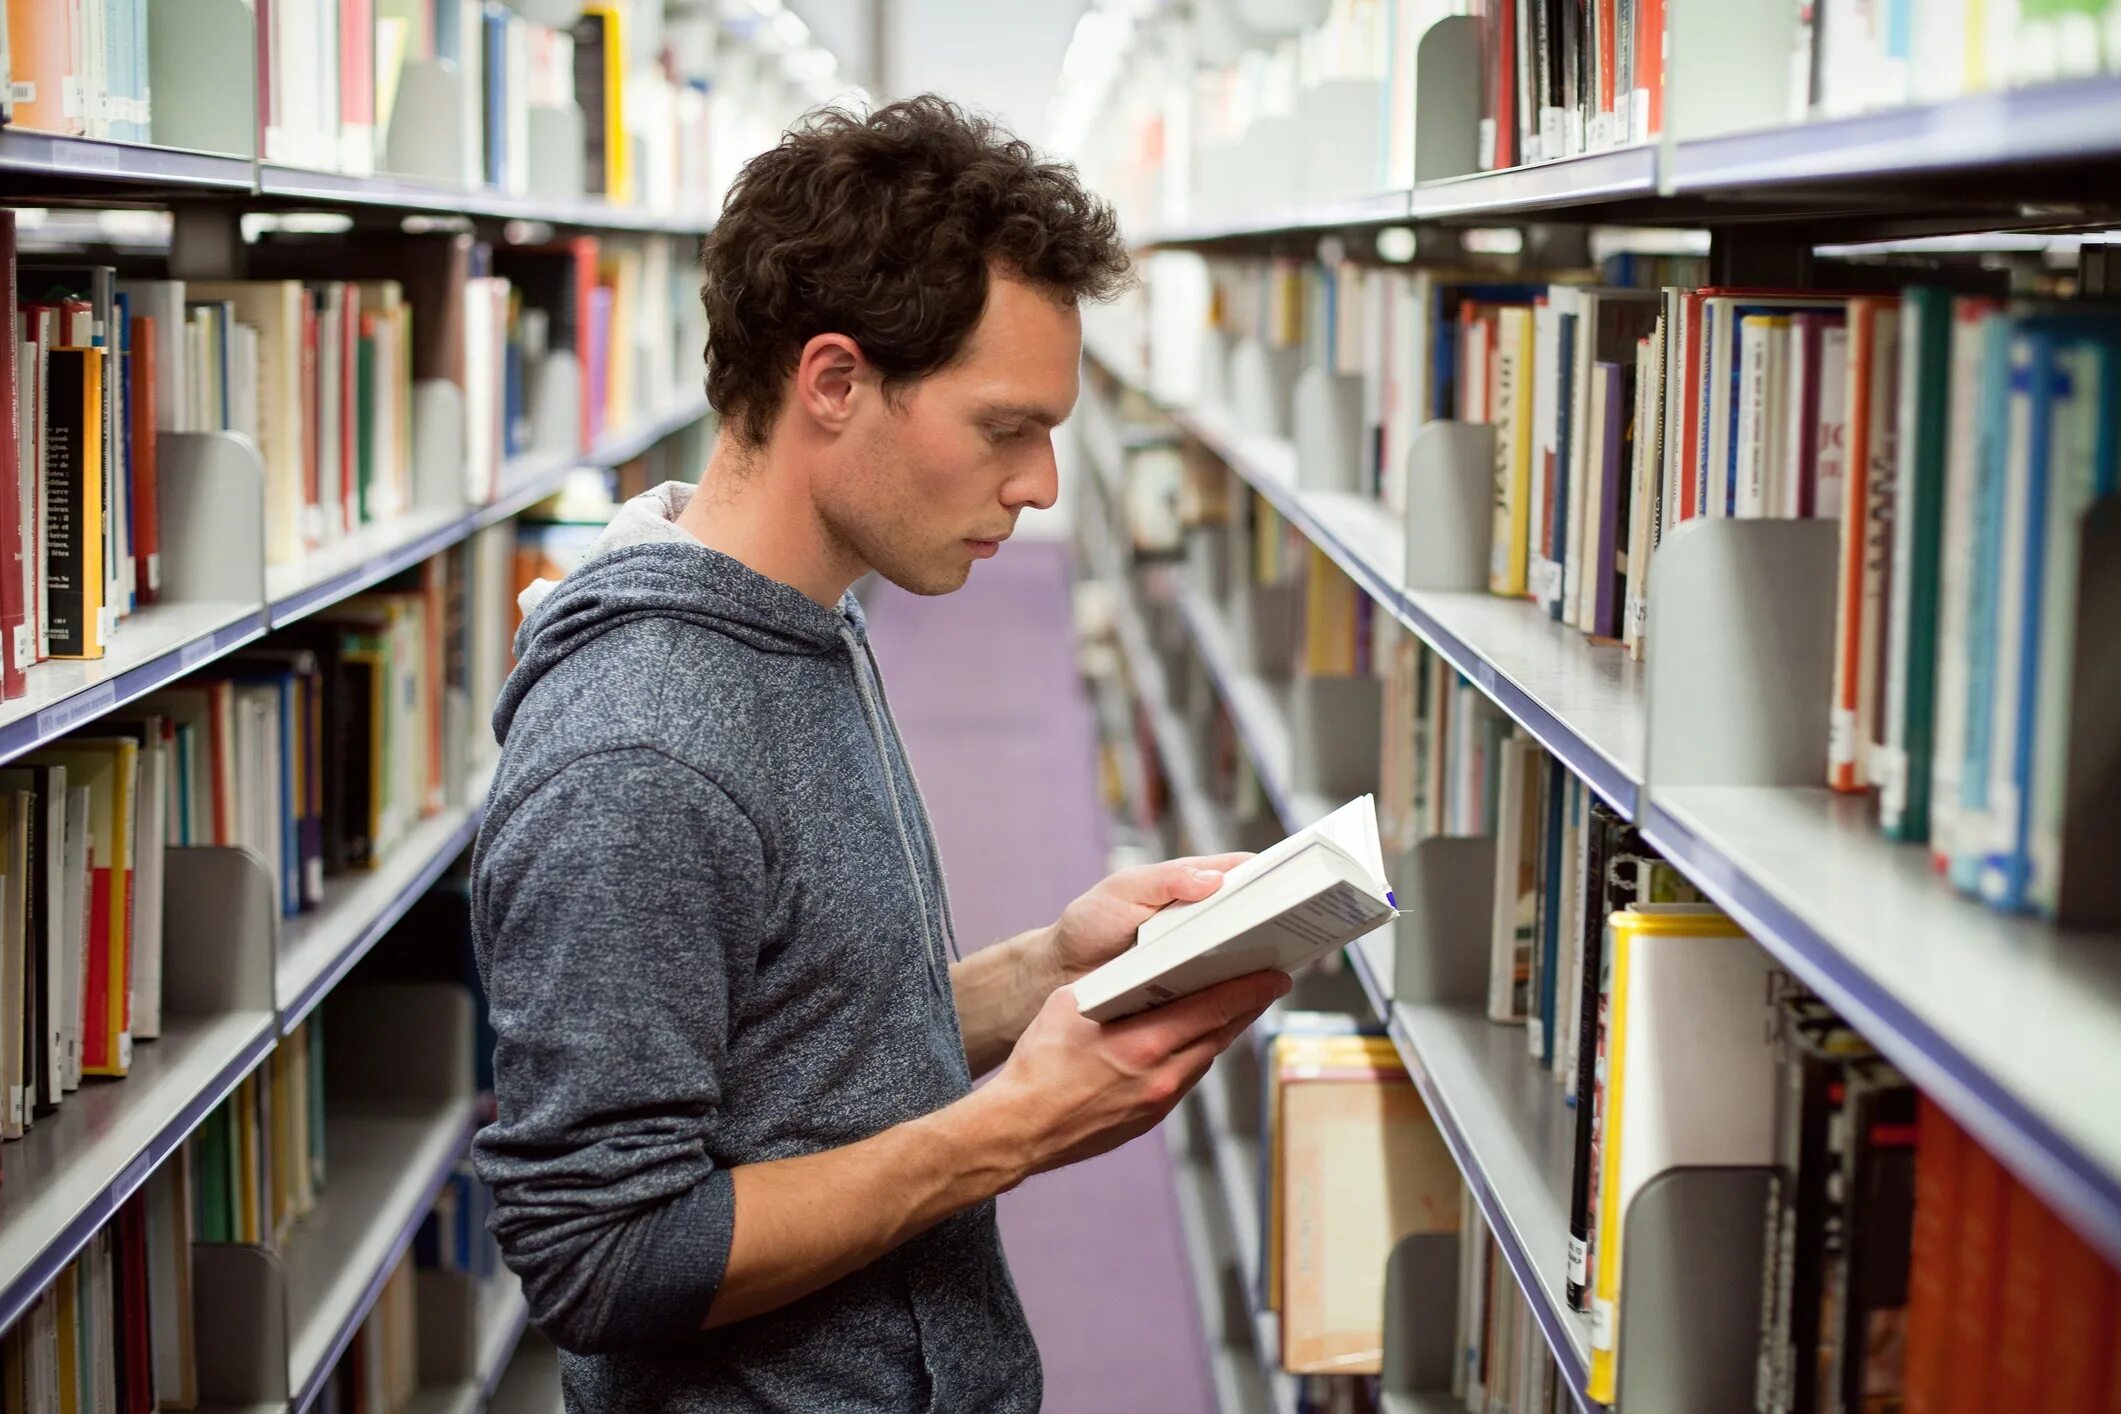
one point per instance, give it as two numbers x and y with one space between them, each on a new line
2030 1238
140 397
1933 1256
2073 1360
1848 732
1970 1358
41 68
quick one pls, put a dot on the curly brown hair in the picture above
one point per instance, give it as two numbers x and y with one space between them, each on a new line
884 228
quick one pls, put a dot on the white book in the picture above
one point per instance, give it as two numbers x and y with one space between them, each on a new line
1542 572
1955 573
78 881
1285 908
14 1005
1516 828
1645 477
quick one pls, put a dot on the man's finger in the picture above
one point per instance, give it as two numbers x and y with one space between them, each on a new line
1176 880
1189 1019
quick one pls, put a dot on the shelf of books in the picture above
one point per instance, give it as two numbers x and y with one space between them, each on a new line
68 1178
501 1318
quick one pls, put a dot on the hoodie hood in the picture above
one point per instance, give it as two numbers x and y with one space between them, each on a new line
644 566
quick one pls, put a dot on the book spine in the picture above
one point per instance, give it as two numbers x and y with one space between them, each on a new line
14 643
1606 587
1843 749
146 490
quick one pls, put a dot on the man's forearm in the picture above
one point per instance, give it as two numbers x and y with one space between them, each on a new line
998 990
804 1223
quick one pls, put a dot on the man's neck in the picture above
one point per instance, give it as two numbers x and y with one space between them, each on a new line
759 513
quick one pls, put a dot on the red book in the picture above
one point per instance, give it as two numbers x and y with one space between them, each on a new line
1934 1250
147 523
349 395
585 283
1506 84
2030 1237
14 614
1977 1294
312 426
2072 1360
1649 63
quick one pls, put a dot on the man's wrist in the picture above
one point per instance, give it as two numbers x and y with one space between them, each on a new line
1039 960
991 1142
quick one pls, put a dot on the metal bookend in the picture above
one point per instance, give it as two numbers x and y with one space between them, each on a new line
1446 891
1741 648
1333 726
557 136
439 445
219 909
1447 107
1342 138
1690 1291
240 1338
202 73
1450 499
428 124
1328 431
1263 388
212 513
1421 1314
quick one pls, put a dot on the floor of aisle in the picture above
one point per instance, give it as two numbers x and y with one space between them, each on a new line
984 687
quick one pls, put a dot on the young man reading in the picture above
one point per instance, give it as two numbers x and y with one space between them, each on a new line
738 1161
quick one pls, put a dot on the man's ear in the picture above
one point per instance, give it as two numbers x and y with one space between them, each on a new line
830 374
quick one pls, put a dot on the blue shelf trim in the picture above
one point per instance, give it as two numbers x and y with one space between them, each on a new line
1370 210
2081 1189
313 1383
55 721
2073 119
373 571
293 1014
1617 174
65 1244
27 152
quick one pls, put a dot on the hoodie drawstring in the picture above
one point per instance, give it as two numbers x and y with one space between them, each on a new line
874 715
920 808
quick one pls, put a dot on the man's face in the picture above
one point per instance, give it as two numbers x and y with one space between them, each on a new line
935 481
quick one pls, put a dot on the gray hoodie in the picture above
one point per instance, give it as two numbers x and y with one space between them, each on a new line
710 918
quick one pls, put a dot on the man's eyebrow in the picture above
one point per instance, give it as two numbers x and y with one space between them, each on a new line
1029 411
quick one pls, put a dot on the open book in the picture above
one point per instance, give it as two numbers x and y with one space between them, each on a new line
1317 890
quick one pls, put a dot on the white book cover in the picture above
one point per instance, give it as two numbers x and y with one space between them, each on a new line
1751 489
1516 857
1883 473
1955 576
1644 476
1284 908
1542 571
151 807
78 883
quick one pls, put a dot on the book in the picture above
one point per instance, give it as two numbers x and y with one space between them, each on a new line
1687 1035
74 503
1284 908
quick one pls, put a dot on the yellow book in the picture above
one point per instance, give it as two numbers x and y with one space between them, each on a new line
277 1087
1690 1077
1513 451
69 1285
1330 618
618 178
248 1162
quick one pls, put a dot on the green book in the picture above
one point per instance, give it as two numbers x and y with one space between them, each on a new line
364 427
210 1179
1918 527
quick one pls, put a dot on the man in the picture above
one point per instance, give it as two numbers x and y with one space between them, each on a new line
738 1161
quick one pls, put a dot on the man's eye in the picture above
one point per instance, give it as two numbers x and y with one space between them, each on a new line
1003 434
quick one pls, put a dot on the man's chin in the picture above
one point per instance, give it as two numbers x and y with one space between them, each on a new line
928 580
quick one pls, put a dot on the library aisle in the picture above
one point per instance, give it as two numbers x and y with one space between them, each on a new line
985 688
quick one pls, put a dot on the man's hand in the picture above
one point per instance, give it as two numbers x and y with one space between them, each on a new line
1100 925
1076 1088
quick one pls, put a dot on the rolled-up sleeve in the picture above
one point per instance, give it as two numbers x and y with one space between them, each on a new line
617 909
